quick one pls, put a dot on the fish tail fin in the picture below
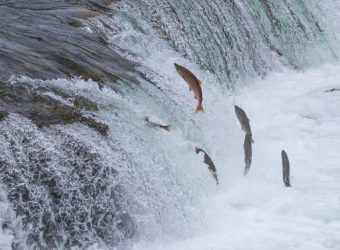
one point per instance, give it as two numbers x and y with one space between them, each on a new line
246 169
199 108
216 178
167 128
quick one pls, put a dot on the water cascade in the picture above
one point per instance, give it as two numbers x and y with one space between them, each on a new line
79 167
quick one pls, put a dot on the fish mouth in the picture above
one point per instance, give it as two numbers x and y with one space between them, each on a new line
177 67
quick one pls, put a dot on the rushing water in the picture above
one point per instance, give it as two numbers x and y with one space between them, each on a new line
79 166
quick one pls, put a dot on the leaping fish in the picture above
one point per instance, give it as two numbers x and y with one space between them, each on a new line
285 168
244 121
194 85
153 124
247 152
210 163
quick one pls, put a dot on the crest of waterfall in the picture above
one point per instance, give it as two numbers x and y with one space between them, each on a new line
231 39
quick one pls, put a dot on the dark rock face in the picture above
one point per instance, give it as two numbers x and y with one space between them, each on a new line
65 195
44 39
45 111
3 115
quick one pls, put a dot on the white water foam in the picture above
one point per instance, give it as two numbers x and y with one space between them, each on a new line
291 111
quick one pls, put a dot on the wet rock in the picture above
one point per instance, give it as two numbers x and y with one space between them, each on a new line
83 103
43 110
43 39
3 115
74 22
79 69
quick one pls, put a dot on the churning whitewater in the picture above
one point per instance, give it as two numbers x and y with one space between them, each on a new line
291 111
101 147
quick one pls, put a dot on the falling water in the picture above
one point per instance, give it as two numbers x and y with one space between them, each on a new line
80 167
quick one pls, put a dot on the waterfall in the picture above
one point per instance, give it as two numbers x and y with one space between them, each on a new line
230 39
80 167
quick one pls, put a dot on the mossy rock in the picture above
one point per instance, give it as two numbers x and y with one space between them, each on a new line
62 114
55 90
44 110
100 127
75 23
81 102
79 69
3 115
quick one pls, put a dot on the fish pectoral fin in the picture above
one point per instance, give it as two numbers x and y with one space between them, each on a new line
190 88
195 97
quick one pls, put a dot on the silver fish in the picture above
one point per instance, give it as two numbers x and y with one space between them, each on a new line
244 121
153 124
285 168
247 152
210 163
